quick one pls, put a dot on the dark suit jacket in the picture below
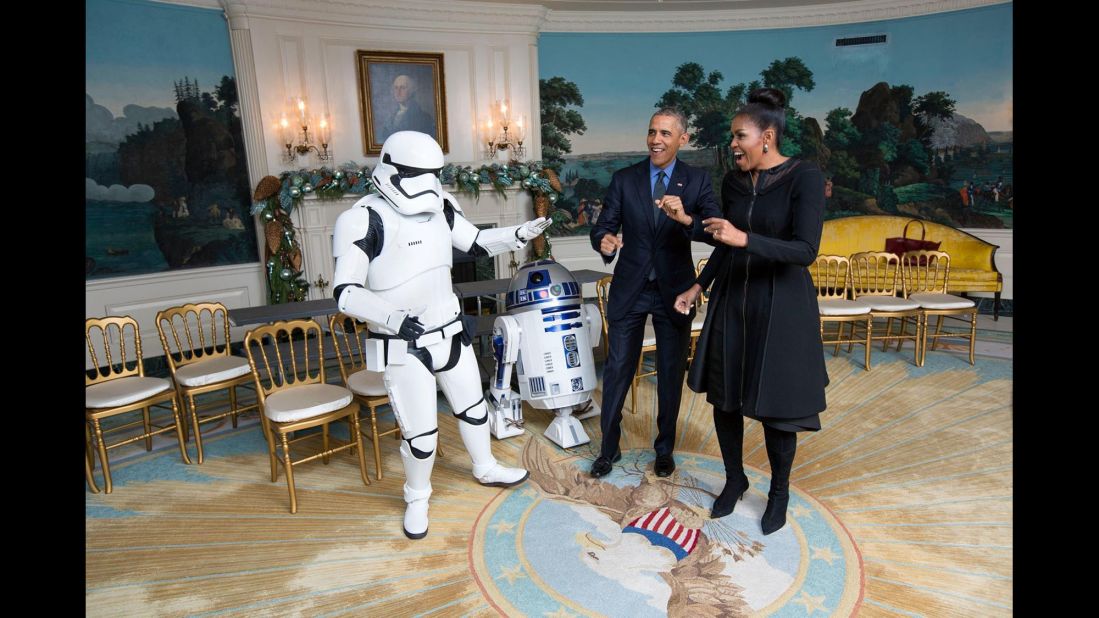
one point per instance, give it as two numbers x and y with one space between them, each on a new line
651 238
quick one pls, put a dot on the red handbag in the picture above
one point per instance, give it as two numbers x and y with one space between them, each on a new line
903 244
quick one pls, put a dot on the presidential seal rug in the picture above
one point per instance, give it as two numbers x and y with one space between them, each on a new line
901 505
633 544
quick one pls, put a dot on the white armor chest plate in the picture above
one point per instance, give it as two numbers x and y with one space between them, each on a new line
412 245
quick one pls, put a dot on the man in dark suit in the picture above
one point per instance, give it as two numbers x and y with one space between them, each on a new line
655 204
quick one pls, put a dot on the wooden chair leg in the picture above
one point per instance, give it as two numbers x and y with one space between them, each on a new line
146 424
108 487
177 417
288 466
89 477
353 427
377 443
194 424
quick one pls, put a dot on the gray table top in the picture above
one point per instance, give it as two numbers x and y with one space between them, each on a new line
264 314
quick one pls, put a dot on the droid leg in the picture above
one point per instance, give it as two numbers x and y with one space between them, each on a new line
411 389
462 386
565 430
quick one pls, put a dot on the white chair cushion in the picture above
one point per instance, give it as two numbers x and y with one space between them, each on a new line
650 333
212 370
369 383
889 303
123 391
305 401
836 306
929 300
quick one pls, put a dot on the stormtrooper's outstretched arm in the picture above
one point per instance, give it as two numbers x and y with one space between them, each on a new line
356 239
466 237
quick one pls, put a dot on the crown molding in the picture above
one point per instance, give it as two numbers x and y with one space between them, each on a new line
752 19
444 16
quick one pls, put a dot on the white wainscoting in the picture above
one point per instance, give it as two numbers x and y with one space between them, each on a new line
142 296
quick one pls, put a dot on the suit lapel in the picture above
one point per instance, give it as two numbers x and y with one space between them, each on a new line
644 193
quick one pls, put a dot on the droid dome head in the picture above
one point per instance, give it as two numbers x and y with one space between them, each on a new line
544 284
407 174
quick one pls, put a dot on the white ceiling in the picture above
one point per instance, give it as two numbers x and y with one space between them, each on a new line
672 5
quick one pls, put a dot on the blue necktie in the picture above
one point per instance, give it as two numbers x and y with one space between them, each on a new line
658 192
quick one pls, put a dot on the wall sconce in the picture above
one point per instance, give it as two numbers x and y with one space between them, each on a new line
511 135
304 143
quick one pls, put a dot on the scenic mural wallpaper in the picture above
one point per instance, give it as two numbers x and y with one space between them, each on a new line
165 175
915 118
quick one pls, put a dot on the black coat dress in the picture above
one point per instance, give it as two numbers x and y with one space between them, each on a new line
760 349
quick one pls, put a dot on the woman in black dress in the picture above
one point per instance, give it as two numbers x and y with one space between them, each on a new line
760 354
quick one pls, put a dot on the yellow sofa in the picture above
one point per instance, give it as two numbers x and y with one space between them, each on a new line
972 263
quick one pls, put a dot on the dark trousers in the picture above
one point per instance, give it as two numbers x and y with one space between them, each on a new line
624 349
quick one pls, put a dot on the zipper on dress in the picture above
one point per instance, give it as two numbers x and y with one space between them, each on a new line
744 306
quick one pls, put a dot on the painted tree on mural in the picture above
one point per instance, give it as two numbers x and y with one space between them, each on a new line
556 94
709 111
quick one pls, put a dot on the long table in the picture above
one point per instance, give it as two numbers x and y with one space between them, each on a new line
264 314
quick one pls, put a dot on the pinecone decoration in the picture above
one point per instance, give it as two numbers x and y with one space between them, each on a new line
267 187
273 232
295 259
554 181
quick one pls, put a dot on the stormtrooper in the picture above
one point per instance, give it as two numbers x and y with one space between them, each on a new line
393 260
548 334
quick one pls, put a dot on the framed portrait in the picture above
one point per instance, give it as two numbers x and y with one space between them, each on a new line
400 91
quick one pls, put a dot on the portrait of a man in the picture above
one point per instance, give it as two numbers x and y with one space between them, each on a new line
401 92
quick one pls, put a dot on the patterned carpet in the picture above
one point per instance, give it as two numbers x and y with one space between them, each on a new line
902 506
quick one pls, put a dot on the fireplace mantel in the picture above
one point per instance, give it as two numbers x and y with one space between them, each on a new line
315 219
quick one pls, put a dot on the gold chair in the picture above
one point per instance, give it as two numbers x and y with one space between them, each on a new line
648 343
926 275
875 280
368 386
196 343
832 276
117 386
701 303
287 363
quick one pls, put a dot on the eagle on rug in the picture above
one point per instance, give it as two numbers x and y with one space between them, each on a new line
655 529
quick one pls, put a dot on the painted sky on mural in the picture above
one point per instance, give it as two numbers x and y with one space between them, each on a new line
967 53
175 41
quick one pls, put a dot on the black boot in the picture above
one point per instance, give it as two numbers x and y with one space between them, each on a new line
729 427
781 446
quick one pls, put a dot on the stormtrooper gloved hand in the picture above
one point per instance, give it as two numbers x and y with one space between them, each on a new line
530 229
411 328
407 327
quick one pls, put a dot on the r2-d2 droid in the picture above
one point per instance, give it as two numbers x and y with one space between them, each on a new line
548 333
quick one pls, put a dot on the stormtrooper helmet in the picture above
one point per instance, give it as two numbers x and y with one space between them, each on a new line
407 174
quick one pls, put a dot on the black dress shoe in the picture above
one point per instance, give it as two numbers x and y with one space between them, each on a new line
664 465
602 465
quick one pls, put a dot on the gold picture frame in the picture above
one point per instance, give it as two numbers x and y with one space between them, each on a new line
400 91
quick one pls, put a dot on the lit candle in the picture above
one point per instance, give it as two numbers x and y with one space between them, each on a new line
284 129
301 111
324 132
519 133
